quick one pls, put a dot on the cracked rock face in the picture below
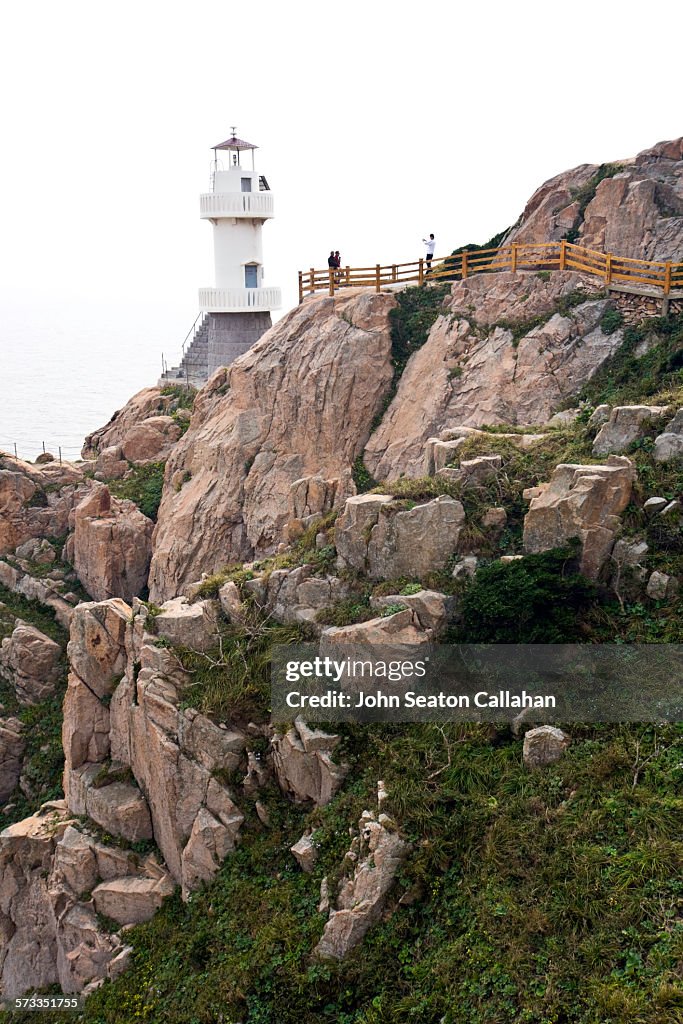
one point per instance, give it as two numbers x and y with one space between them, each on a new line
111 546
12 746
376 855
35 501
471 372
49 930
392 633
380 537
124 705
289 595
30 662
302 760
583 502
636 213
669 444
625 425
125 423
298 404
431 608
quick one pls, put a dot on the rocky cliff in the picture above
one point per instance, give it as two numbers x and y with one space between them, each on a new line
507 350
497 461
300 403
632 207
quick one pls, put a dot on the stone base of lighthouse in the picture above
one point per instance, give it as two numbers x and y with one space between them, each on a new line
231 334
218 341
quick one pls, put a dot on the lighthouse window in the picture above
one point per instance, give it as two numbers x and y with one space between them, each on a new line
246 184
251 276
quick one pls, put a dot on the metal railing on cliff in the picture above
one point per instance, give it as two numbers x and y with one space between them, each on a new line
663 279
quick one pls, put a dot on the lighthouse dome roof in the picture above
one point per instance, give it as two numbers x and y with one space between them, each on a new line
234 143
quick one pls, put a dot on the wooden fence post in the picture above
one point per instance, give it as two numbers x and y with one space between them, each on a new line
312 278
667 278
464 265
563 255
301 287
378 276
348 276
421 272
394 275
513 258
331 273
608 269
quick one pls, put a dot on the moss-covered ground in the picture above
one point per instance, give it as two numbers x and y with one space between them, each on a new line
545 897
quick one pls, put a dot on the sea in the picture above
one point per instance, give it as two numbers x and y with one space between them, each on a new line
66 366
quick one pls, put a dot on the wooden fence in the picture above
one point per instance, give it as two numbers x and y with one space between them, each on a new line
660 278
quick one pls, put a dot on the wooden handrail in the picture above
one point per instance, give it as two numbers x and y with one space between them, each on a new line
536 255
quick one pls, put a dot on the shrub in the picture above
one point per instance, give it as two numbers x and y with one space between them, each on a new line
534 600
612 319
362 477
233 681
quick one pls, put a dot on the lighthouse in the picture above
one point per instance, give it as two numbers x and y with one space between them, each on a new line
236 310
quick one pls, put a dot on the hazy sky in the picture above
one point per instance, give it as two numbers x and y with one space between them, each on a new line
377 123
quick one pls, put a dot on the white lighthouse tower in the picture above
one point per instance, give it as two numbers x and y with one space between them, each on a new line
237 309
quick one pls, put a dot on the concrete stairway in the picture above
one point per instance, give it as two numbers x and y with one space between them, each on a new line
194 367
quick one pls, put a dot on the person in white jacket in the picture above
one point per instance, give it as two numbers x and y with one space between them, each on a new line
430 243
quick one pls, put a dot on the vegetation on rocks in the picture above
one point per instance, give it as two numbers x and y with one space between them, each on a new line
563 306
586 194
143 485
233 680
648 363
411 320
547 896
537 600
183 395
532 897
43 757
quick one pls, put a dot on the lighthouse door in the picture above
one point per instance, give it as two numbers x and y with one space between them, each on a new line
251 276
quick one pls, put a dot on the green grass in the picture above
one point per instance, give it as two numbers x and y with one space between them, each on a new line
233 680
539 897
143 485
348 611
612 319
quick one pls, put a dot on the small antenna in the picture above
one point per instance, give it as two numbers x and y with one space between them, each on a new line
234 132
